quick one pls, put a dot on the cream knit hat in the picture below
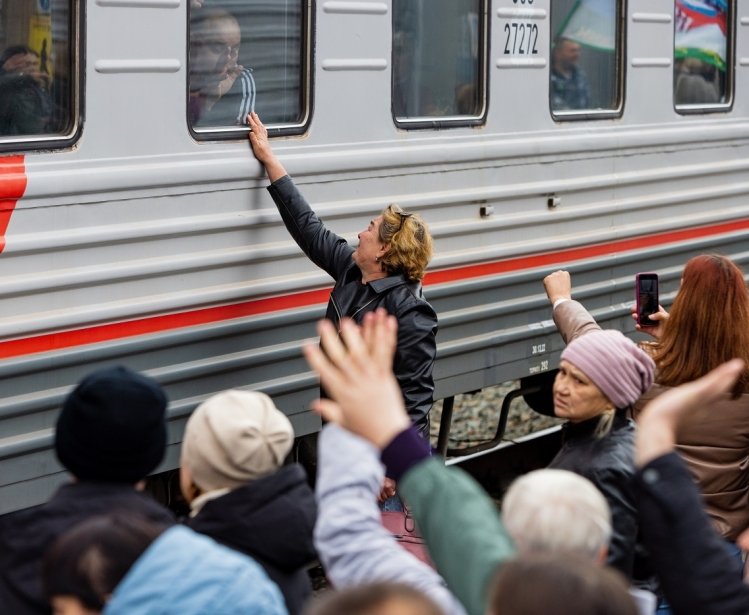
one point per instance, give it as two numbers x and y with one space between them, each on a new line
233 438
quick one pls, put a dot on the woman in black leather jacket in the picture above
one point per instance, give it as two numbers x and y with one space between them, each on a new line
383 271
601 374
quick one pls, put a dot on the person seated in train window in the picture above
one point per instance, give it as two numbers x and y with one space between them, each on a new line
695 82
240 493
110 434
222 92
569 88
123 564
384 270
466 99
22 60
461 525
24 107
715 447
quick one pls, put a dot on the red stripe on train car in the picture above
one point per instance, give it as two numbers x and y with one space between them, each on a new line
12 187
155 324
576 254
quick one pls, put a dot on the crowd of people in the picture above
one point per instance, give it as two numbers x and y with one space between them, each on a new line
645 508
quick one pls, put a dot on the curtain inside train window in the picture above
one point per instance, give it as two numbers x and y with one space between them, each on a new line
585 61
701 54
438 60
37 96
247 55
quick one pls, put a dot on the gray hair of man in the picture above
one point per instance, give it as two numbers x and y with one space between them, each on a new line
553 511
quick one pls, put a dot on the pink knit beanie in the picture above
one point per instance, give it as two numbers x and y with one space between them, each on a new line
614 363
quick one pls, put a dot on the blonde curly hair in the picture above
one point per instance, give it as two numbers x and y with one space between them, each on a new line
410 243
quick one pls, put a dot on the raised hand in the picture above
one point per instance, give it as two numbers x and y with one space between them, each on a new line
558 285
262 149
356 371
661 316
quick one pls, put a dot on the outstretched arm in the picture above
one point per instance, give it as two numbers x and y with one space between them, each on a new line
696 570
262 150
459 522
353 545
570 317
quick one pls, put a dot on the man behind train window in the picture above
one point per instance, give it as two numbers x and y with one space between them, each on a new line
222 92
569 84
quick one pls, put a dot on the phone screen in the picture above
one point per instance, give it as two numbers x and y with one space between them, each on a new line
647 298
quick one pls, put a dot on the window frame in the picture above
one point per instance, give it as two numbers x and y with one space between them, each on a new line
720 107
10 144
233 133
568 115
453 121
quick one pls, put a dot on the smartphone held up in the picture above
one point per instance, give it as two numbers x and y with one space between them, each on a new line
646 293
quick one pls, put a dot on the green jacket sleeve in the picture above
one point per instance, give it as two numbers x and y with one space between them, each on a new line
461 526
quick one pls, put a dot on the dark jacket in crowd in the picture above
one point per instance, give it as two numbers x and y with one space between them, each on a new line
417 321
715 448
696 571
25 536
271 520
608 463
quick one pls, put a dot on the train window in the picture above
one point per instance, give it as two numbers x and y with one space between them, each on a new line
37 76
701 55
438 62
245 55
586 58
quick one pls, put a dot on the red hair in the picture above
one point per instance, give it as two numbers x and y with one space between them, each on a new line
708 325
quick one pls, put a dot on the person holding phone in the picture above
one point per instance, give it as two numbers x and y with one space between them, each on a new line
707 326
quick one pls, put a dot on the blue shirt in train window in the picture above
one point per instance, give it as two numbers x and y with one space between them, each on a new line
571 92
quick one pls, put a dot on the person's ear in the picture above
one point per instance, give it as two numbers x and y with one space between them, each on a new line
187 486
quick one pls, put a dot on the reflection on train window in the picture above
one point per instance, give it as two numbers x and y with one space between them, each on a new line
244 56
437 68
585 57
36 76
701 53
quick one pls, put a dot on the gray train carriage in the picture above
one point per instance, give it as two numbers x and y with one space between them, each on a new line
604 136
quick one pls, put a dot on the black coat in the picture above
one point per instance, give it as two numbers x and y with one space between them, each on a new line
26 535
697 573
271 520
417 321
608 463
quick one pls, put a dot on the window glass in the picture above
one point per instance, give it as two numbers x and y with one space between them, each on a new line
585 56
245 55
700 52
438 61
36 76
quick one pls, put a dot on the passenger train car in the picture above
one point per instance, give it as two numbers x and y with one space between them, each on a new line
608 137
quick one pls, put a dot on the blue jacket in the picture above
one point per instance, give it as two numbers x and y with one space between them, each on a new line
185 573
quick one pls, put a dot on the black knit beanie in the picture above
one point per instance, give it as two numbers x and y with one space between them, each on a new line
112 427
